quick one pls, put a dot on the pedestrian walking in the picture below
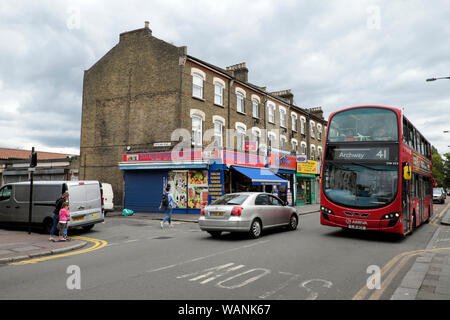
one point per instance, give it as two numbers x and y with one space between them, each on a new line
167 203
58 204
64 216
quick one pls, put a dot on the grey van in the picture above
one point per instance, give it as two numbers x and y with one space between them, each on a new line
84 200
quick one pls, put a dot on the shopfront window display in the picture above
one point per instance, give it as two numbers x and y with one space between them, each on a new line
190 188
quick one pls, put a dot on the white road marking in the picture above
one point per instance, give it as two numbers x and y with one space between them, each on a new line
243 283
293 277
210 255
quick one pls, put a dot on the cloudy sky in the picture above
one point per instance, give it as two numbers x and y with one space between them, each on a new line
331 54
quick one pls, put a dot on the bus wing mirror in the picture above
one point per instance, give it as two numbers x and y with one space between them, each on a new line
406 172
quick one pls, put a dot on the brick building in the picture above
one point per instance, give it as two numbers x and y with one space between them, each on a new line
144 89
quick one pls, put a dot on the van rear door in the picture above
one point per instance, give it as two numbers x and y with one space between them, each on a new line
85 203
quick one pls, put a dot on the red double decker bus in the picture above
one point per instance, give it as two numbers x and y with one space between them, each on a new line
376 172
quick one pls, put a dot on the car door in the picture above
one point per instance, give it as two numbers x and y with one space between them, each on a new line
263 208
278 211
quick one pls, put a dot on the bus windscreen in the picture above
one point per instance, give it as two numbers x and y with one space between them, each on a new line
363 124
360 186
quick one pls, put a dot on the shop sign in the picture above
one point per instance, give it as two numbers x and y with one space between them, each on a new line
309 167
215 184
282 161
302 158
242 159
162 144
171 156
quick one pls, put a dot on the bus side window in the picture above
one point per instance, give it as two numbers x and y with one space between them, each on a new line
405 131
410 139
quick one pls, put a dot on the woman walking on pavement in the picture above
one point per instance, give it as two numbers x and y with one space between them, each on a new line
168 203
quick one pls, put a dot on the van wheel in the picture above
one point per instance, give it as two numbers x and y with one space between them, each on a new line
88 228
255 229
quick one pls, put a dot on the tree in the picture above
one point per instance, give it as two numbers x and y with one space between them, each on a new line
438 167
446 167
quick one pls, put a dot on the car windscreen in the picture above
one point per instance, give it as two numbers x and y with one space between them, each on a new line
231 199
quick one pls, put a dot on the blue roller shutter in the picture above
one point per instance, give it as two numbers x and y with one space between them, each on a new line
143 189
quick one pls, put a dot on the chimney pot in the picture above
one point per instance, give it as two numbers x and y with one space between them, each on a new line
147 24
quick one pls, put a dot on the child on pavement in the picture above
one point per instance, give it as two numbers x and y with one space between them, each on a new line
64 216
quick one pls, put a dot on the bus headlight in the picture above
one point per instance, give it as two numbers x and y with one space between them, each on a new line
392 217
326 212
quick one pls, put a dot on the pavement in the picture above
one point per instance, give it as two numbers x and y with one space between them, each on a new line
428 278
18 245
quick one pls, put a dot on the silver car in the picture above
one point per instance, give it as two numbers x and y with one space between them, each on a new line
247 212
438 195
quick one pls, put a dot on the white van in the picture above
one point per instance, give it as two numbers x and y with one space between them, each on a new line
108 196
85 204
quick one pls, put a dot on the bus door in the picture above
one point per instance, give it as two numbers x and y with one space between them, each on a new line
421 198
405 205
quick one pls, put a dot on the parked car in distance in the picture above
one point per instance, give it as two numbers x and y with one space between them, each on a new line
108 196
250 212
438 195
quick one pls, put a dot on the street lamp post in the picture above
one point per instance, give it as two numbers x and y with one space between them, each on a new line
434 79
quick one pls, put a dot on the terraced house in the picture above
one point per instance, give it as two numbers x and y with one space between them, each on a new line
146 98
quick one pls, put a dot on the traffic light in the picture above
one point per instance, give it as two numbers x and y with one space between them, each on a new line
33 162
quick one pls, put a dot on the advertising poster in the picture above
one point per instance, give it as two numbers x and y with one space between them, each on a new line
178 184
197 189
216 184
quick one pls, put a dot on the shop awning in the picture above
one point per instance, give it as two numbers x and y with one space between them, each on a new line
261 176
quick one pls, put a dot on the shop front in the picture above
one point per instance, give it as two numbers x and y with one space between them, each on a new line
248 173
284 166
146 175
306 177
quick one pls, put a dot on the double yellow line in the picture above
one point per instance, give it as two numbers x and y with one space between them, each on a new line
434 220
393 267
98 244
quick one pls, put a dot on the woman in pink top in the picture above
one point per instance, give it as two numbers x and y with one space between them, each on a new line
64 216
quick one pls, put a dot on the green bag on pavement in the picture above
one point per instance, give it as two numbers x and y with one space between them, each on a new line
127 212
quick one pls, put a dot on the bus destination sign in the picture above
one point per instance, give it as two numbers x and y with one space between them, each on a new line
376 153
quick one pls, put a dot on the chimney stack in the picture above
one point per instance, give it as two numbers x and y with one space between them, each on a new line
239 71
286 95
317 111
147 24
